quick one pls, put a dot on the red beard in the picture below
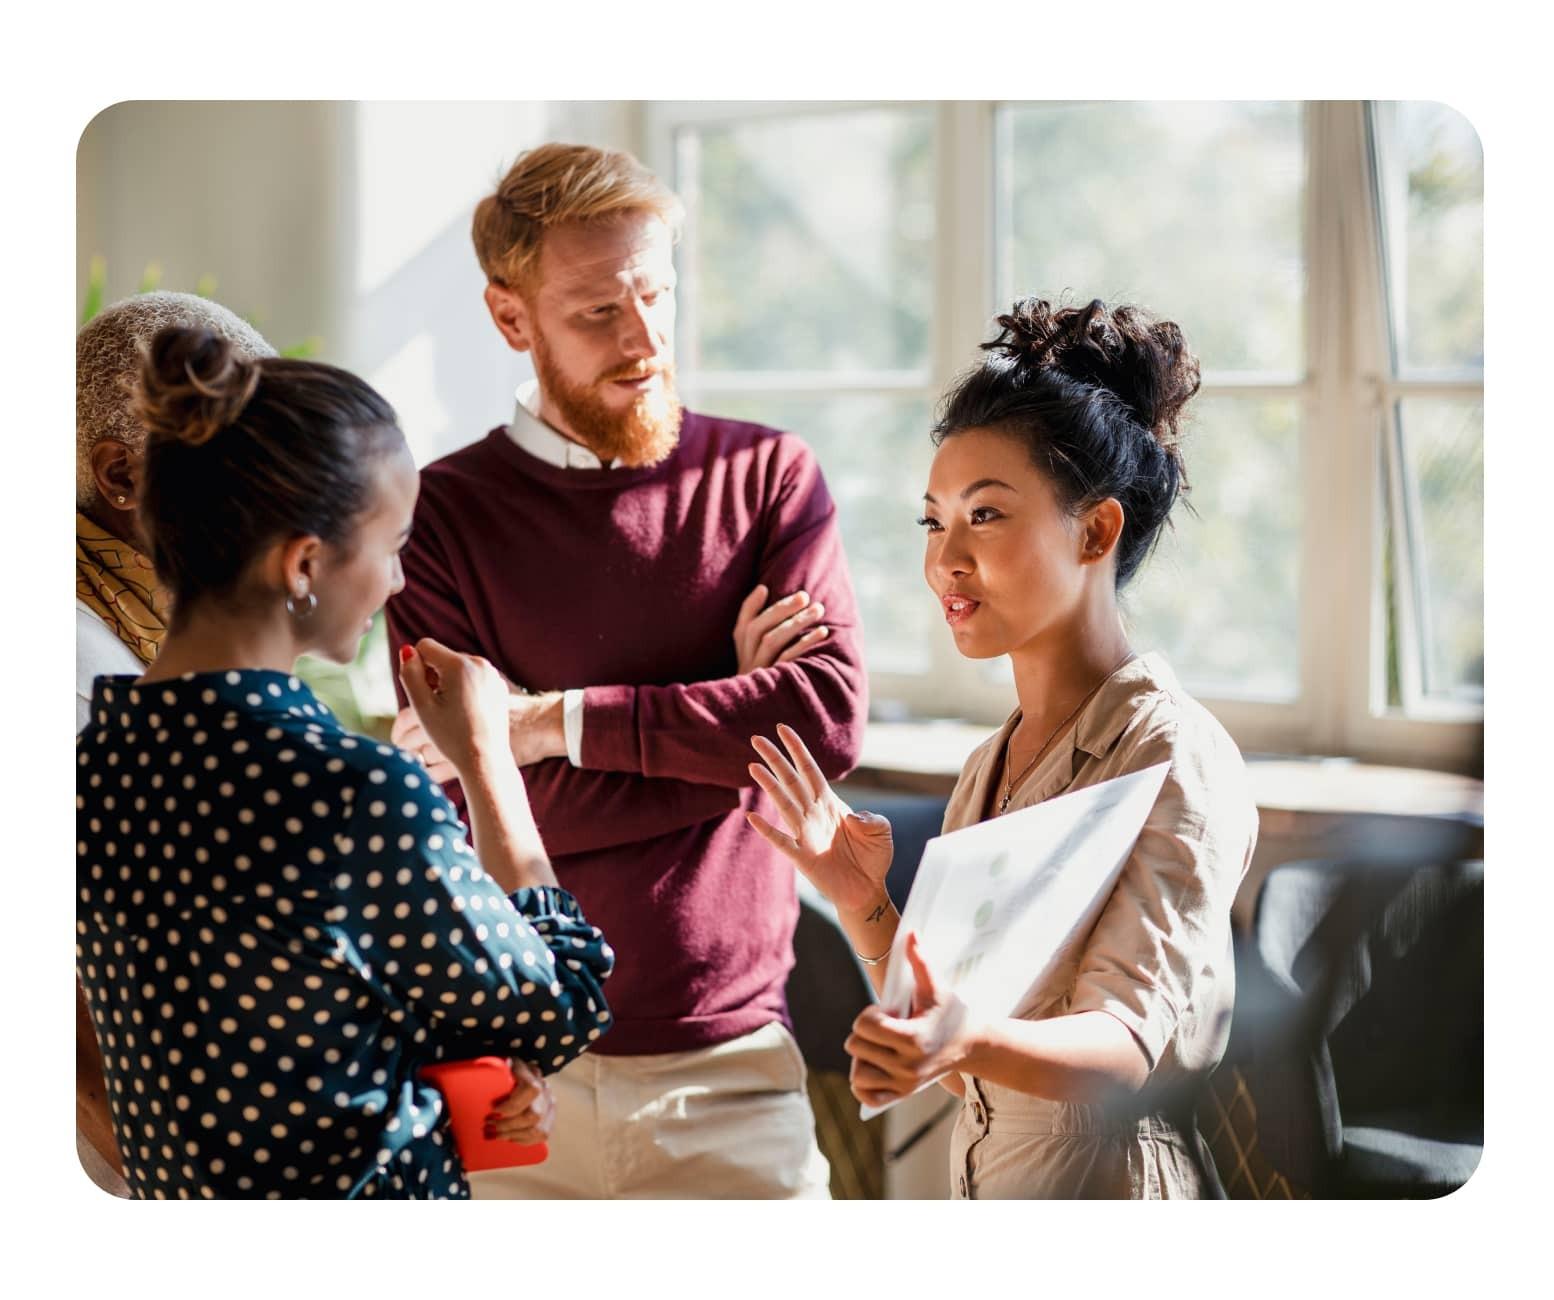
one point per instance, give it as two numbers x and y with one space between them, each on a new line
641 435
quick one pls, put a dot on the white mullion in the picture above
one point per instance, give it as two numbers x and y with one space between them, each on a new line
1224 384
1397 389
1370 416
964 171
963 280
1324 430
1347 343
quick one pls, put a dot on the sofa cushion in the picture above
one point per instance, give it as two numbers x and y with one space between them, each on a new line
1390 1160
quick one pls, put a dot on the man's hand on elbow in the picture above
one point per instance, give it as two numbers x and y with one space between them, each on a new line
767 634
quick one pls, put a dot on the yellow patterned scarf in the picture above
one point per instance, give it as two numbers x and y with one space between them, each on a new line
119 585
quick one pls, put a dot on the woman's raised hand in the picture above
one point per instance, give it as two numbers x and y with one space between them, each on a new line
844 854
460 701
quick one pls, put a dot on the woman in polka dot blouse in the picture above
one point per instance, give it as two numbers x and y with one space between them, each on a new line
279 922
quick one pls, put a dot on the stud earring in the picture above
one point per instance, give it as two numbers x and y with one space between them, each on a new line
120 498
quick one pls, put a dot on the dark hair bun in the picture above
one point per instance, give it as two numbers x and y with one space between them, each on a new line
193 384
1144 362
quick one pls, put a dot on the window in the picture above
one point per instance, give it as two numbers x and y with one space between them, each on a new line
1091 199
1430 179
842 261
806 298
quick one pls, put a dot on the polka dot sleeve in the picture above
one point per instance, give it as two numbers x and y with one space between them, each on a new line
478 971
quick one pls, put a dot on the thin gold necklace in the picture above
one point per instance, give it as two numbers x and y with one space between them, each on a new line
1010 783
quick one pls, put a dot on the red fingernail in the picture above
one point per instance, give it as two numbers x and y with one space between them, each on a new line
406 654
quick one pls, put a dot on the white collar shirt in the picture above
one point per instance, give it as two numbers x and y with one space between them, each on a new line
543 442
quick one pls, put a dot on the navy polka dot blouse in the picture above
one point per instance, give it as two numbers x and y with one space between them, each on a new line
277 923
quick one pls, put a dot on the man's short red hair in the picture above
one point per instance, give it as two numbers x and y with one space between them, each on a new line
555 184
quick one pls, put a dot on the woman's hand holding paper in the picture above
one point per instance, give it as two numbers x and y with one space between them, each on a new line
894 1056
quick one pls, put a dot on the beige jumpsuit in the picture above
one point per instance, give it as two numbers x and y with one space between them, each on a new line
1158 959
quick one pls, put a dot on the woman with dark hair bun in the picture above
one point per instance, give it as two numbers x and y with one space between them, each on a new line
279 922
1058 463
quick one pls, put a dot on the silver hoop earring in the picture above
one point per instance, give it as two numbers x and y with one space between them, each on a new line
304 610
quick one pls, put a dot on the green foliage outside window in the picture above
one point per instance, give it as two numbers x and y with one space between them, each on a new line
151 280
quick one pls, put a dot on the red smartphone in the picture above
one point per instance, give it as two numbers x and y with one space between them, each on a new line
470 1088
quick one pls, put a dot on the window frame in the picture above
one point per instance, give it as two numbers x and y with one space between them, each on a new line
1346 399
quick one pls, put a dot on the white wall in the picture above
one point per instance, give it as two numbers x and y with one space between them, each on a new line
252 194
346 221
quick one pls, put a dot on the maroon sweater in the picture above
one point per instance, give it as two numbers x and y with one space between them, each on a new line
627 582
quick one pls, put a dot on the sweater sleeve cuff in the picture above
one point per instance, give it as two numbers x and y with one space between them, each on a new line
609 740
537 901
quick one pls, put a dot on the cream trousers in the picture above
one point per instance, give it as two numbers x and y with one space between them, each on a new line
725 1122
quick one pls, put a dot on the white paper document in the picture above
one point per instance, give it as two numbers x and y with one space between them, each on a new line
998 905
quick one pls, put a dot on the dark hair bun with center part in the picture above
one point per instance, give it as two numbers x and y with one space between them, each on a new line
241 453
193 384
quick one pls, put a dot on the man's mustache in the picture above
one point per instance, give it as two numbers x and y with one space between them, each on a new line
638 371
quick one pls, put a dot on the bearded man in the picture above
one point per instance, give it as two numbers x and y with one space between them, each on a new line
659 586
